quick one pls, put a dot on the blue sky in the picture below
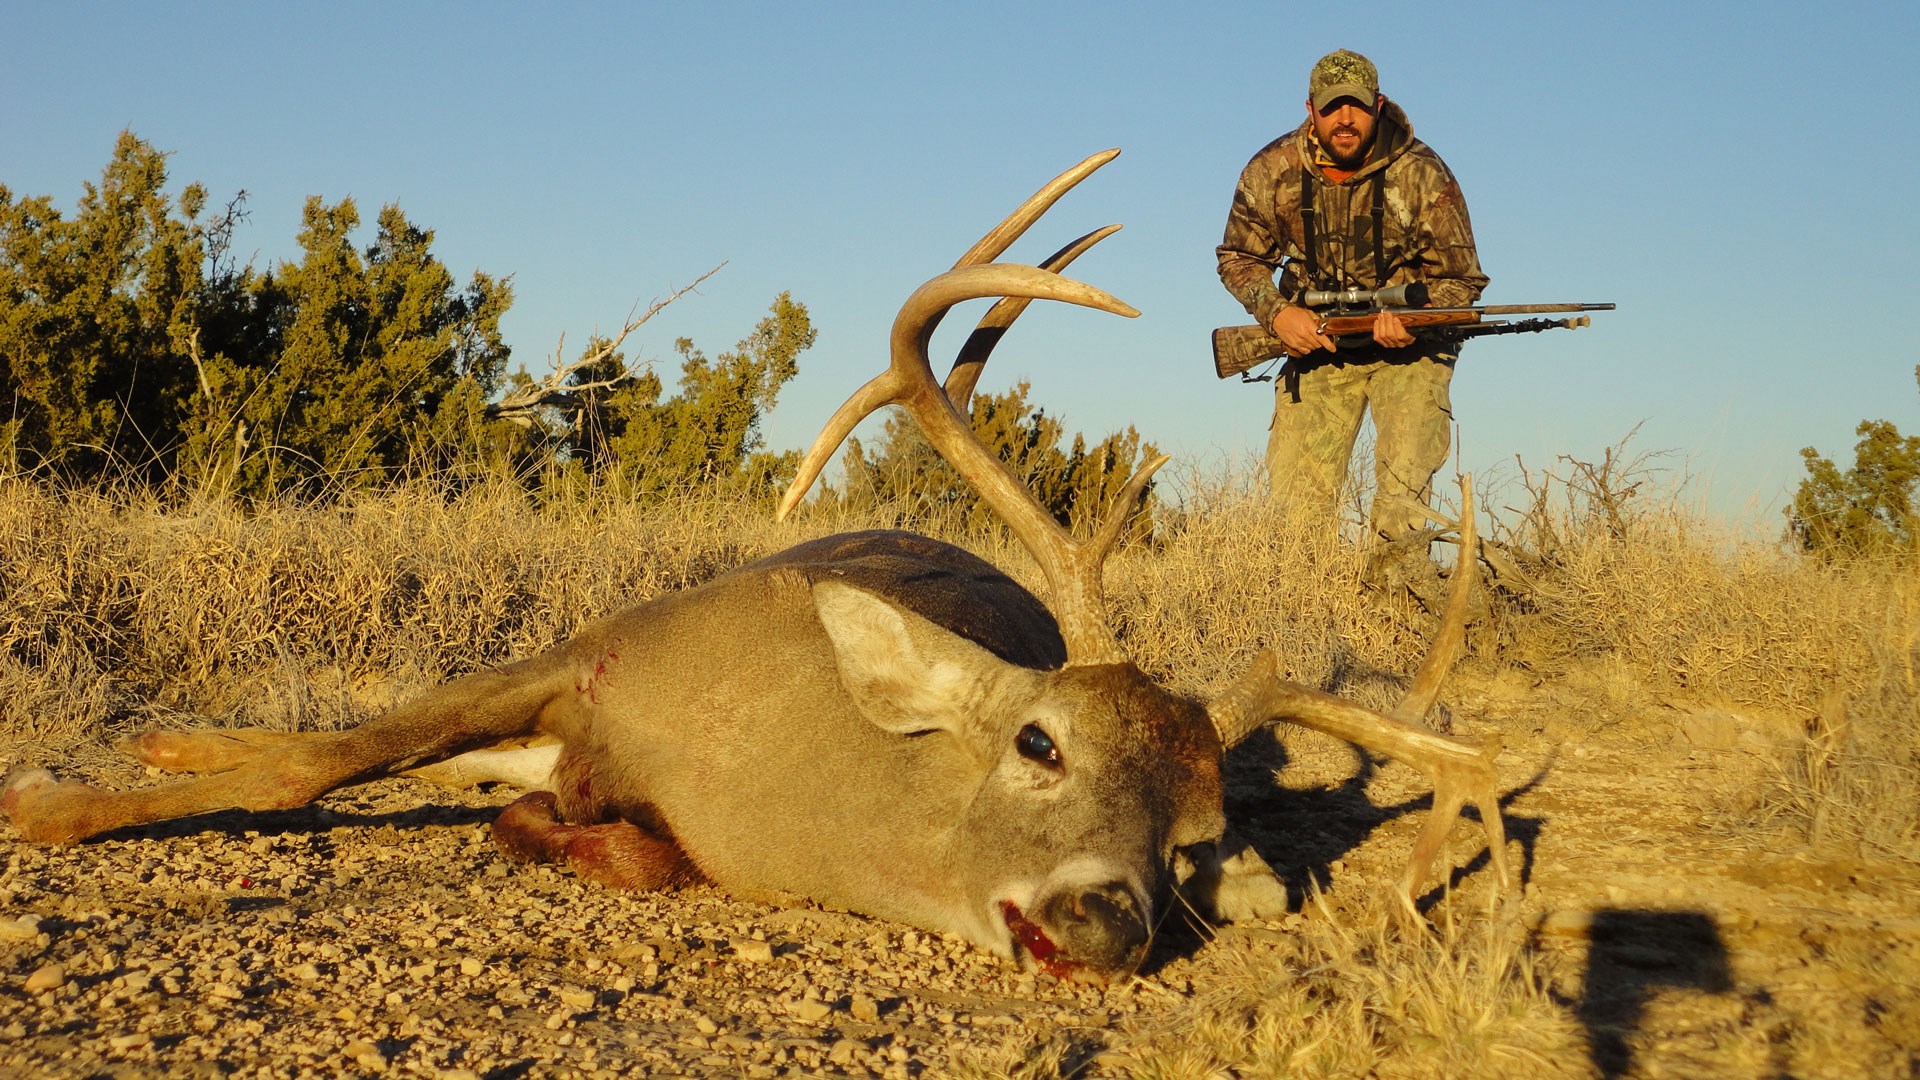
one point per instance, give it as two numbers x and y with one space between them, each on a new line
1739 178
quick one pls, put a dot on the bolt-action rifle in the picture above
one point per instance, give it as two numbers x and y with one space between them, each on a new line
1348 313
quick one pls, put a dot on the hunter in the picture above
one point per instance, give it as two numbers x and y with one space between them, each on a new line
1350 199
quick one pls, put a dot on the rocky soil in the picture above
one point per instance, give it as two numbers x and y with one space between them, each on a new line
379 933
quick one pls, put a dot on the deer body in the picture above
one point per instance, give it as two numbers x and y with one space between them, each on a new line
876 721
819 723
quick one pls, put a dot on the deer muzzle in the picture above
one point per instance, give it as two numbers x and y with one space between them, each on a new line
1095 935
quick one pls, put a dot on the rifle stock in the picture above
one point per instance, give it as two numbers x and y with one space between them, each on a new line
1239 348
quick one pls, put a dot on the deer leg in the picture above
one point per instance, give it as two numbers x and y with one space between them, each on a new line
211 751
524 766
618 854
528 767
281 774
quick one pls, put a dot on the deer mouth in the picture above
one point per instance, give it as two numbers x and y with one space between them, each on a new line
1092 940
1028 938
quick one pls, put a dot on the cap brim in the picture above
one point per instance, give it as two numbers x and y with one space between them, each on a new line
1362 94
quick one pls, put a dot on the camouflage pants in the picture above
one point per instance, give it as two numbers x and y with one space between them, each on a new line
1317 417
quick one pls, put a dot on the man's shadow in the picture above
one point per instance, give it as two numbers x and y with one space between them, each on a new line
1633 954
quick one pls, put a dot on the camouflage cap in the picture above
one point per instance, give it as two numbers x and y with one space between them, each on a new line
1343 73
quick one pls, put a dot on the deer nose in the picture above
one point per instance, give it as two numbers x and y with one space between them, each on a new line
1101 928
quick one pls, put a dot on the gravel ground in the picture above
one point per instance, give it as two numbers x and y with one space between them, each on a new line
379 933
371 934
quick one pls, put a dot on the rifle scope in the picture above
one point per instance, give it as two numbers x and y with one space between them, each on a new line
1413 294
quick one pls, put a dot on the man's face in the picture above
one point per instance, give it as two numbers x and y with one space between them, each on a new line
1345 129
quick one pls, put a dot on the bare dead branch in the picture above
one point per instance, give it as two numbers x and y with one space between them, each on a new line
554 391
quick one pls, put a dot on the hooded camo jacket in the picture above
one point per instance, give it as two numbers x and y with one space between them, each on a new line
1426 234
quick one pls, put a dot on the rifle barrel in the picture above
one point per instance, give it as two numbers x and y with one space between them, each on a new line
1527 309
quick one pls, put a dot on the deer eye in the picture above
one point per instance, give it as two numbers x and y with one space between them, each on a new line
1036 745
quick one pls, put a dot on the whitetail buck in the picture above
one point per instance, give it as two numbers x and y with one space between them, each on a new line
876 721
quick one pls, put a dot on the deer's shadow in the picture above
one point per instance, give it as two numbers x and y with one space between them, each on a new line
309 820
1302 832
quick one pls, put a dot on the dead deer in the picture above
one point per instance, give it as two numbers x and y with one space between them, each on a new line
875 721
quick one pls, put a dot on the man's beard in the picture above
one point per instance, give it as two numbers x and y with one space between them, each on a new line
1347 161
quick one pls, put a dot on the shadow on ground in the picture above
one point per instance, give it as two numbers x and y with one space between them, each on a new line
1635 954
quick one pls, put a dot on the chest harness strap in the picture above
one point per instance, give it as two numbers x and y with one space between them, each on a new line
1290 371
1308 244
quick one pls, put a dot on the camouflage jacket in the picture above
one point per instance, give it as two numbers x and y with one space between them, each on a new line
1426 234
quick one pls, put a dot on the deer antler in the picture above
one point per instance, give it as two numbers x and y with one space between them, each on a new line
1461 769
993 326
1072 567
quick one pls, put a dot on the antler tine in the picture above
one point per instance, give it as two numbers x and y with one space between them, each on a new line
1122 506
1461 769
880 390
1452 636
979 345
1072 568
911 371
1001 236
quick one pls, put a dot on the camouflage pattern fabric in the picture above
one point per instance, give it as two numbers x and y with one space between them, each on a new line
1312 437
1340 72
1428 237
1427 234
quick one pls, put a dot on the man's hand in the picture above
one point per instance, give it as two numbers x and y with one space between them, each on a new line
1390 332
1298 329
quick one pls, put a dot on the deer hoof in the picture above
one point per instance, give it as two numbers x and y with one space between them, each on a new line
37 803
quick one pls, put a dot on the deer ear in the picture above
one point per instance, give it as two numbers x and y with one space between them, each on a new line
906 674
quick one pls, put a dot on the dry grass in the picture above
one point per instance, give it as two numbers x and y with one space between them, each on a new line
1821 660
1333 996
1358 998
120 609
308 616
121 612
